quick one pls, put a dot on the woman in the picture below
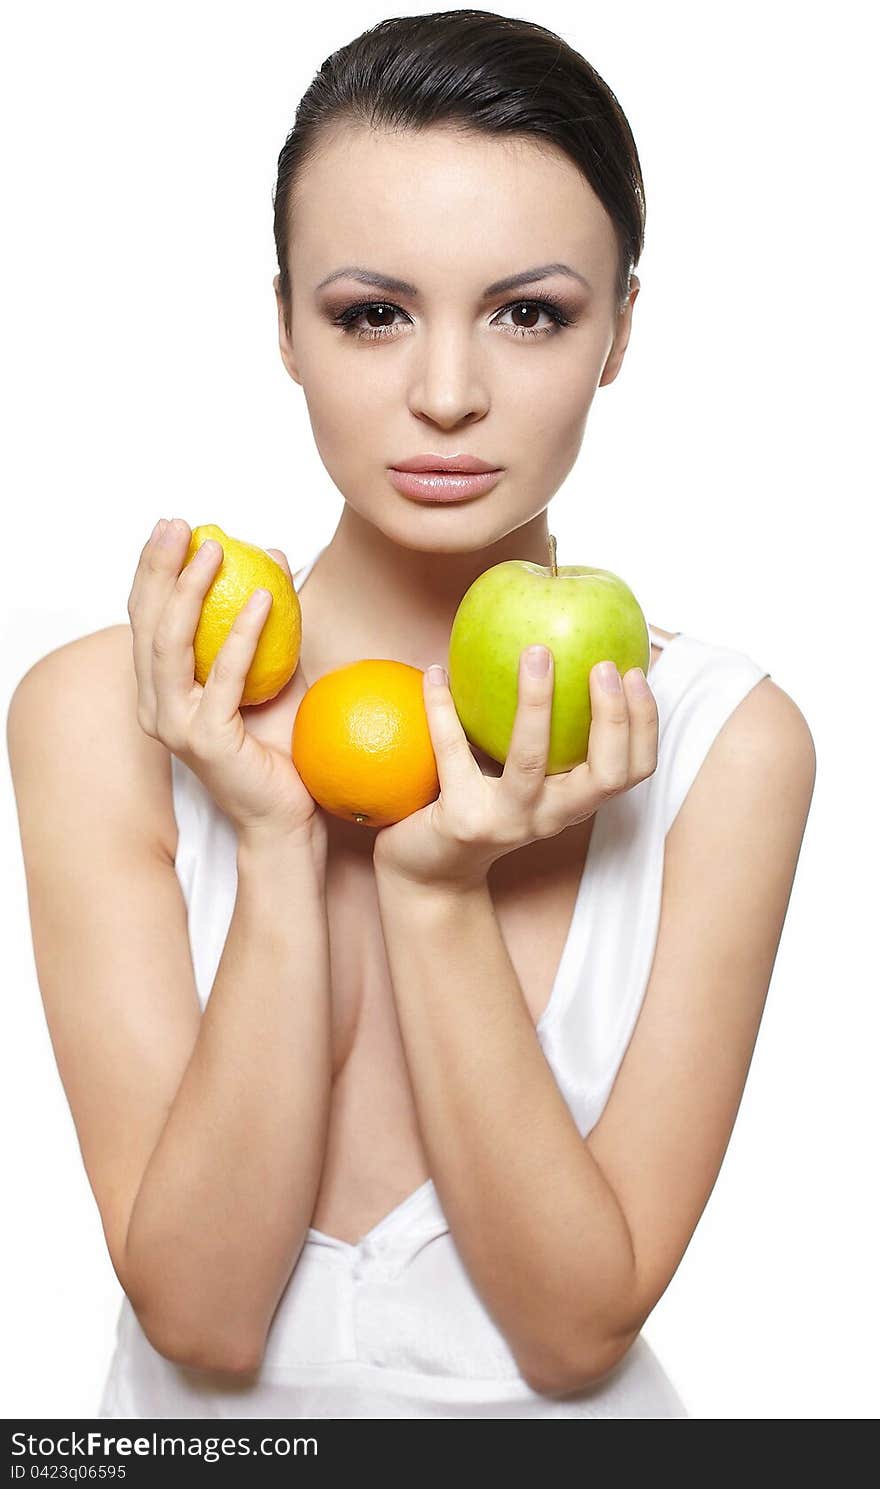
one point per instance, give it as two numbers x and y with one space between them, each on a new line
418 1121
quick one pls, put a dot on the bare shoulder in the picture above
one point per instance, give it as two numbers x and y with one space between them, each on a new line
83 695
745 815
768 728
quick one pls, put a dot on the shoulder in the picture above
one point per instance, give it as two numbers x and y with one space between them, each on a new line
752 794
77 657
767 732
80 700
94 672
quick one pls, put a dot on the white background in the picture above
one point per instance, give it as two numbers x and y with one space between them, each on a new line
727 473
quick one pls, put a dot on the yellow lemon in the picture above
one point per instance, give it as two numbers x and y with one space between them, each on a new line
244 568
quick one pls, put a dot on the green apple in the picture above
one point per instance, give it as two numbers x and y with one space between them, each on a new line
583 615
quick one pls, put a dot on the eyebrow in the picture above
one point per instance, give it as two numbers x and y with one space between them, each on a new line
395 286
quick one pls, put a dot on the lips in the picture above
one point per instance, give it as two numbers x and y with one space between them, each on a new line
457 464
445 485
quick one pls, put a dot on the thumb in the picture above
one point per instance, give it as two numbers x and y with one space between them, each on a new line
280 559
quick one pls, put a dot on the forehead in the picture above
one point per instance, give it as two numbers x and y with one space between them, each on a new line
411 203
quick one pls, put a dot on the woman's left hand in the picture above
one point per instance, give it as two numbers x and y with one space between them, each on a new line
477 818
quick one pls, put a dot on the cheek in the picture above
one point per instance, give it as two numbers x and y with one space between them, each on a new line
343 404
555 380
558 406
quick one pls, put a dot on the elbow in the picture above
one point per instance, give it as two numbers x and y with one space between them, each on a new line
184 1340
238 1356
555 1372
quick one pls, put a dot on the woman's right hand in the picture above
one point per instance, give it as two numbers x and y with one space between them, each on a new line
255 784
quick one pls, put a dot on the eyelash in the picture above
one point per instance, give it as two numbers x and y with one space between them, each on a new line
553 307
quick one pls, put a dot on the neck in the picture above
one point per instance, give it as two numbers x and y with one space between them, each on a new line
369 596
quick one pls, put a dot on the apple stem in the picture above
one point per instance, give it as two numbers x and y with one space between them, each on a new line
553 569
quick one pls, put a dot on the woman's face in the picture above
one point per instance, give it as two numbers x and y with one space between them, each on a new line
445 368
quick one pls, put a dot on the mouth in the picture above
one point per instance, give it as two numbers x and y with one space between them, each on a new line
443 485
466 465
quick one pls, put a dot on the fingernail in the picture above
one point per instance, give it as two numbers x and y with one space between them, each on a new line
637 680
609 678
169 532
158 529
537 661
258 599
437 674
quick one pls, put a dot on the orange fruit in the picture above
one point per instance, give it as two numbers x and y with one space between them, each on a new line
361 742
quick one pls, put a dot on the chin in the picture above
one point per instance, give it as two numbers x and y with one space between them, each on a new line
425 534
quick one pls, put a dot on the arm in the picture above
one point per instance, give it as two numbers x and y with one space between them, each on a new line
202 1136
227 1195
571 1243
538 1226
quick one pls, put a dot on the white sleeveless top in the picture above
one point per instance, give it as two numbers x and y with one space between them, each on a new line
393 1326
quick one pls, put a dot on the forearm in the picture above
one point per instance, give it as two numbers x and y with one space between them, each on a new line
227 1196
539 1229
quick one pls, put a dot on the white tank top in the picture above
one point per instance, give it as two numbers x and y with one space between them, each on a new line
392 1326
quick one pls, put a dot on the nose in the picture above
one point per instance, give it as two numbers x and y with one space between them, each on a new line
449 384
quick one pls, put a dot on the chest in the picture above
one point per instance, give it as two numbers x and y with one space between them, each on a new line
533 894
374 1156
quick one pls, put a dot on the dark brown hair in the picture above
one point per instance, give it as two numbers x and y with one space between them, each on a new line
480 73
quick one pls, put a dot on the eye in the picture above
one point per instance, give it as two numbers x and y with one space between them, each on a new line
347 320
548 307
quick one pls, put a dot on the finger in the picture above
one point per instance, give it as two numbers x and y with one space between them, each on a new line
173 652
281 559
574 795
644 725
525 768
608 747
456 766
143 570
153 585
224 684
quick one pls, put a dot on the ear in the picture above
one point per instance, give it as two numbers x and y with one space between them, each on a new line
621 335
284 340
